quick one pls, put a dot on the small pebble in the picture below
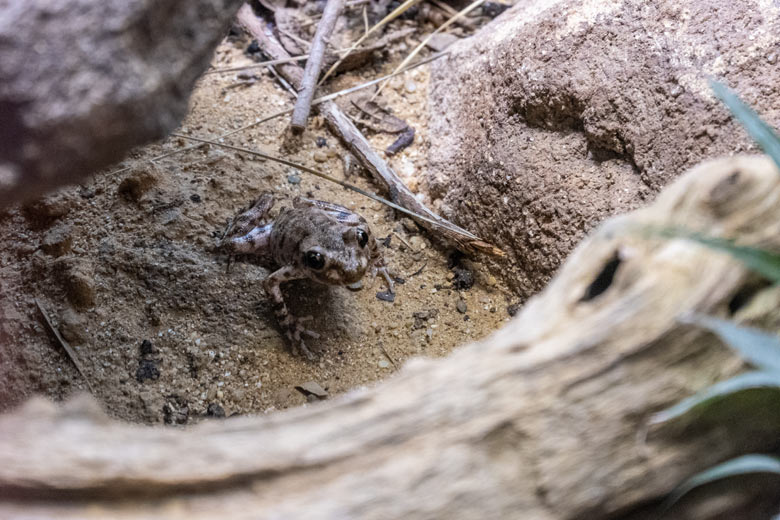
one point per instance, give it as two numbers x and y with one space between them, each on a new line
355 286
461 306
383 364
321 141
386 296
215 410
320 157
294 178
146 347
57 241
410 86
195 197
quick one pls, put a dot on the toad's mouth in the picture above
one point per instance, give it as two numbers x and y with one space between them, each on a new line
345 277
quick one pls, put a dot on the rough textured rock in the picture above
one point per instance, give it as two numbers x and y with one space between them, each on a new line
86 80
561 113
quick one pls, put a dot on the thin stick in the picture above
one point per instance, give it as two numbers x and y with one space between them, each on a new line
64 344
463 12
314 64
258 65
387 355
398 11
281 113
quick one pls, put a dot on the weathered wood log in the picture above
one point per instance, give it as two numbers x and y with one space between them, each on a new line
543 420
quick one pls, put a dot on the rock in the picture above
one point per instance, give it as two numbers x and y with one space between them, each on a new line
76 97
147 369
417 242
441 41
461 306
195 198
386 296
355 286
312 388
546 123
77 281
320 157
215 410
146 348
422 317
410 87
463 279
175 410
383 363
321 141
136 184
46 209
294 178
57 241
73 327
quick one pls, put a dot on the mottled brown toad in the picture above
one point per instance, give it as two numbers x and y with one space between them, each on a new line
314 239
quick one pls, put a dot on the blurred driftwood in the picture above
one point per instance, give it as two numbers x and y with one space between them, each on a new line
543 420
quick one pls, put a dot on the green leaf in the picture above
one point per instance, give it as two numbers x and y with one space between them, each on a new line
721 390
761 132
766 263
755 346
744 465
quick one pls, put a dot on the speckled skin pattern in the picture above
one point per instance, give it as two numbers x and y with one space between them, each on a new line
314 239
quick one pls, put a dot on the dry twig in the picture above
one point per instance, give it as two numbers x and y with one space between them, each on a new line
314 64
64 344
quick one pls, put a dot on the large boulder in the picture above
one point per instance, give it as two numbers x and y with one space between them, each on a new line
561 113
86 80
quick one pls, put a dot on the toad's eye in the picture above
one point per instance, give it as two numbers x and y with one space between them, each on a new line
314 260
362 238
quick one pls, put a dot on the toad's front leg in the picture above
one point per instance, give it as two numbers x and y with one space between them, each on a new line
292 326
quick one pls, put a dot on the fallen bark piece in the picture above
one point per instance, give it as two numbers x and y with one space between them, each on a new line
312 388
547 419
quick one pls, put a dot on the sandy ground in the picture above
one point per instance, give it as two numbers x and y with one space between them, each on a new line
126 267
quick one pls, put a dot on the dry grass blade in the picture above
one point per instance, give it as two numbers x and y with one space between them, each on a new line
398 11
416 50
258 65
64 344
286 111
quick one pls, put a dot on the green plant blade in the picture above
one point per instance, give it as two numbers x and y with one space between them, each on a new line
755 346
721 390
761 132
744 465
766 263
